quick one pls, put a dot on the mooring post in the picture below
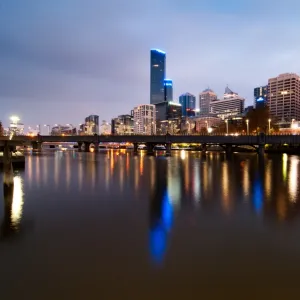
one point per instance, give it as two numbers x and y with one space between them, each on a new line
8 175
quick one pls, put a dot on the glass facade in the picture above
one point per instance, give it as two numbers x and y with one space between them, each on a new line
260 96
168 86
157 76
188 103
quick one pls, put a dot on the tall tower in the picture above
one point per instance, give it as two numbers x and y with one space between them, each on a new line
205 98
157 75
168 86
284 97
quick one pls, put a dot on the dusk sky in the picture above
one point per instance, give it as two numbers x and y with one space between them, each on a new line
62 60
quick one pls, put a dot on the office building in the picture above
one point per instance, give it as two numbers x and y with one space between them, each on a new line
145 119
123 124
91 125
105 128
188 103
168 111
63 130
157 76
284 97
168 86
205 98
231 105
260 96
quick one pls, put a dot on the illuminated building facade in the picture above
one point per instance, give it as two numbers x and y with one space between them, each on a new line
188 103
92 125
260 96
231 105
145 119
157 76
284 97
168 89
205 99
63 130
123 124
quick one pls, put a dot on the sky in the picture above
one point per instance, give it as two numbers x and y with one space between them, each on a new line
62 60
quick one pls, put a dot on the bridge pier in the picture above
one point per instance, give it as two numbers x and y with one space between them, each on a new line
135 148
168 149
228 150
36 146
87 147
203 148
79 146
96 144
8 175
150 147
261 149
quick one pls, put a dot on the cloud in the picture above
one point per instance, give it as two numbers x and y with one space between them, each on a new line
76 57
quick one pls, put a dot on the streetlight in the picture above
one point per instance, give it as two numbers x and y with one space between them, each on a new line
269 125
15 119
39 128
206 125
226 121
48 126
247 122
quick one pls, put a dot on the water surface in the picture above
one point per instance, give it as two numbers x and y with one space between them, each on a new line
111 225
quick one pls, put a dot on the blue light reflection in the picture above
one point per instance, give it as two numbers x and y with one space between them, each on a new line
159 232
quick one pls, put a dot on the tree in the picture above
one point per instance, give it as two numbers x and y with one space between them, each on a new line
259 120
1 129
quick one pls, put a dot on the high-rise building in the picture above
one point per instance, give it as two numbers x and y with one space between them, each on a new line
157 75
284 97
92 125
145 119
231 105
123 124
188 103
205 98
260 96
168 86
168 111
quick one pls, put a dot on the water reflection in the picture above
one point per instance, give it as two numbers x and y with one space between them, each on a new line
13 207
161 213
189 179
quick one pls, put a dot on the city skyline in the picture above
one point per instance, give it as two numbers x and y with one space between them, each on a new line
77 60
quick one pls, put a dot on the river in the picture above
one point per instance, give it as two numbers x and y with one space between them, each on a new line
111 225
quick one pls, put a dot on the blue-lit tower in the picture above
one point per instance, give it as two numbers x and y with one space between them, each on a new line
157 75
168 87
188 103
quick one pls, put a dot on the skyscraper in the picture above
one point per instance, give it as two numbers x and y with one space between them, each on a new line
260 96
188 103
205 98
157 75
168 88
284 97
231 105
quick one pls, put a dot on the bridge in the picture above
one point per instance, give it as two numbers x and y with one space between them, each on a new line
226 142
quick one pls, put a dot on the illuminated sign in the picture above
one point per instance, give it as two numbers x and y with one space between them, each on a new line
168 84
260 99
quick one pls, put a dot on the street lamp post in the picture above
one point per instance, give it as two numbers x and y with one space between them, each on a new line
226 121
269 125
247 122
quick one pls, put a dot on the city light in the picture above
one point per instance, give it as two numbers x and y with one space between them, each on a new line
14 119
